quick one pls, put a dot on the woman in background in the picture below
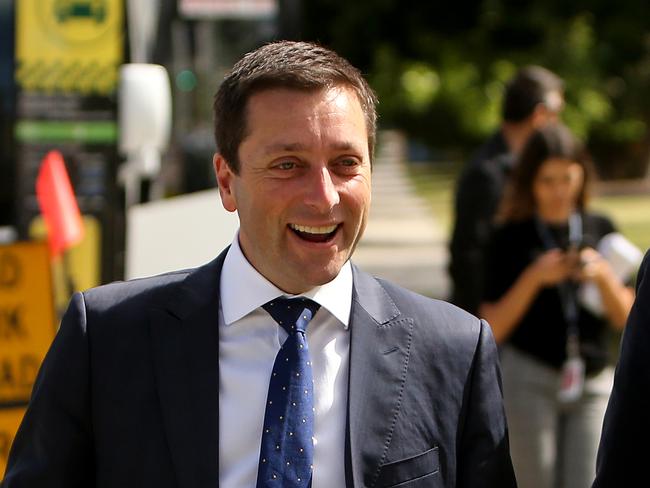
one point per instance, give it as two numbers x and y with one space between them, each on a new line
556 376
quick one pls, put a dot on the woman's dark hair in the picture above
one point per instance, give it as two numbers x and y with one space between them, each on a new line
554 141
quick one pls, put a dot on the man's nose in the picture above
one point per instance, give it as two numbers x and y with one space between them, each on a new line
321 192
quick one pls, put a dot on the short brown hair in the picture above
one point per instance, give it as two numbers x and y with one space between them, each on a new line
554 141
284 64
530 87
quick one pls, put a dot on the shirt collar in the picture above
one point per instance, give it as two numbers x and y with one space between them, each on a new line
244 289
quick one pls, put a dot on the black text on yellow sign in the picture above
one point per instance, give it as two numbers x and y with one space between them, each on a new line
27 322
27 327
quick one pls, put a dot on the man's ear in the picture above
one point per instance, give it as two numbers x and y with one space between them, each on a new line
225 180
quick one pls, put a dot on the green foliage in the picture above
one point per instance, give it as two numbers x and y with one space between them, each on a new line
439 71
420 83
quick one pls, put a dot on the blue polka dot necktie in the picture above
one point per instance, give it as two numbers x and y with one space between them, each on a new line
287 450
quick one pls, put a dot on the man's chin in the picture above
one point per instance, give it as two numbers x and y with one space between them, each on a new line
310 276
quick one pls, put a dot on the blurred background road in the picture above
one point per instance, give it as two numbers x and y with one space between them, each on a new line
404 241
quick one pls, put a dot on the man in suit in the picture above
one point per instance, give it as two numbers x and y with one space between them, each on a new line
532 99
622 458
164 381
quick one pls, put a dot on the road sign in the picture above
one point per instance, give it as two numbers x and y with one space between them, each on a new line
69 45
27 327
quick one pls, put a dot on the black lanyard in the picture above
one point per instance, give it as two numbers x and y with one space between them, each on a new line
567 289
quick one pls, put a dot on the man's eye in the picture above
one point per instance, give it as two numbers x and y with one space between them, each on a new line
348 166
286 165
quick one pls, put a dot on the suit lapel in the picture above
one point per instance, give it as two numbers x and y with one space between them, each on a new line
379 352
185 348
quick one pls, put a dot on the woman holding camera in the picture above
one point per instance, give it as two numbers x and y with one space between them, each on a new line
556 376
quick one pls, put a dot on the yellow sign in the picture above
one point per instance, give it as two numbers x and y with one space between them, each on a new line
69 45
83 267
9 422
27 327
27 323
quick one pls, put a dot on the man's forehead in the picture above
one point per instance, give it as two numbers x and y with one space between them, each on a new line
299 109
293 120
325 93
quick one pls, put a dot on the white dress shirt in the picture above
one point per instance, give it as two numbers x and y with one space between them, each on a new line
249 340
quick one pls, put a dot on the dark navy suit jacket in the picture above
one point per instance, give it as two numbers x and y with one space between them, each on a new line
128 394
623 451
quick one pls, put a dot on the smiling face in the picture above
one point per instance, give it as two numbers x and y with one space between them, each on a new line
303 188
556 188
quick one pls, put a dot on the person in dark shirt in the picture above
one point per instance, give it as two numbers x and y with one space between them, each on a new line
553 349
532 99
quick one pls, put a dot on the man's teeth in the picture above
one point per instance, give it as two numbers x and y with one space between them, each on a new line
313 230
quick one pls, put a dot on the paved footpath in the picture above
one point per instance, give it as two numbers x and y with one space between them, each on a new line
403 241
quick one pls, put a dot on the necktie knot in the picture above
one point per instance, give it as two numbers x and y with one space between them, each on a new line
292 314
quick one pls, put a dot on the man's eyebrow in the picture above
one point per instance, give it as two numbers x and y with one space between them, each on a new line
284 147
297 146
344 146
